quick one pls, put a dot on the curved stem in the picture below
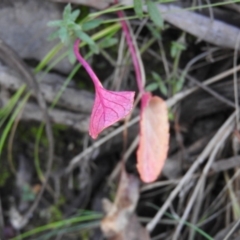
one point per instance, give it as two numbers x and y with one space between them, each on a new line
85 64
132 51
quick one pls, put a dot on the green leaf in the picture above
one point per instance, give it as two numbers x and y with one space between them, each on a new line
84 37
74 15
63 35
156 77
77 28
108 42
53 36
71 55
163 88
56 23
173 50
138 6
170 115
69 24
67 12
154 31
91 24
27 193
94 48
160 82
179 85
176 47
154 13
152 87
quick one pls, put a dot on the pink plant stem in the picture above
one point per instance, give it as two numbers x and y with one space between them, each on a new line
85 64
132 51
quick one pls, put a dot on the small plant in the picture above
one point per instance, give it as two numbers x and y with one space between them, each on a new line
157 84
111 106
177 47
68 30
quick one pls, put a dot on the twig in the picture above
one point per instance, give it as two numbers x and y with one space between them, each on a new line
199 84
221 34
71 99
126 155
226 164
158 184
75 161
221 195
235 81
224 132
13 60
181 95
208 31
212 92
32 112
151 225
232 230
232 6
196 59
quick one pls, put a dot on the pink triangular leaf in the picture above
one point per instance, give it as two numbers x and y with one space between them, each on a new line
109 107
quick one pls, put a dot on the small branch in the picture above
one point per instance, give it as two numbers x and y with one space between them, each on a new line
201 158
32 112
77 159
79 101
226 164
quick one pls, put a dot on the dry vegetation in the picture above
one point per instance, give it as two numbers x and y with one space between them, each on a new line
191 62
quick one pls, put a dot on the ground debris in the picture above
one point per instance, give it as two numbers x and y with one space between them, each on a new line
120 222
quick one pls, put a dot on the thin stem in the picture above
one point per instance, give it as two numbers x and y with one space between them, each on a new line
132 50
85 64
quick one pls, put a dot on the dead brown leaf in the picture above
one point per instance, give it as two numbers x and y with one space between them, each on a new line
120 222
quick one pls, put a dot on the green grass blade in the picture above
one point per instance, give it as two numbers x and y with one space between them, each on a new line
48 57
92 224
197 229
12 102
58 224
11 121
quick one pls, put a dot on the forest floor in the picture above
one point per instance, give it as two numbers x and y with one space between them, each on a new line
92 190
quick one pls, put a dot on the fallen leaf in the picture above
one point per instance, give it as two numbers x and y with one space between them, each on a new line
120 222
154 137
109 107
